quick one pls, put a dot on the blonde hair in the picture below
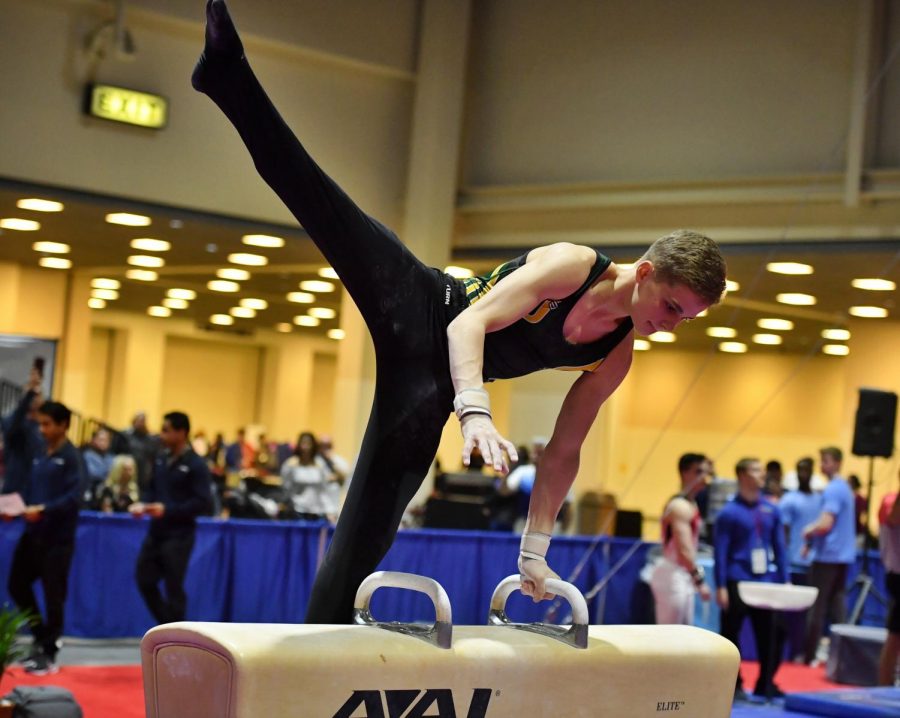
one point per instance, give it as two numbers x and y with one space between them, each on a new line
115 473
692 259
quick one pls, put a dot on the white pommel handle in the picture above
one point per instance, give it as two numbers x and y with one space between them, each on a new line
410 581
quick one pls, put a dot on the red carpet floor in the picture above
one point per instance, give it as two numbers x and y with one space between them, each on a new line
791 678
101 691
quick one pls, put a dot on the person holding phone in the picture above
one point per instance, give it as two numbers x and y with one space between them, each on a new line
22 440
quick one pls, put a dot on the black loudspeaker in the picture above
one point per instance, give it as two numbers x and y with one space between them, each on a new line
875 416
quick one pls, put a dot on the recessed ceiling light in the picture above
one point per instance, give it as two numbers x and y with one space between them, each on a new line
796 298
262 240
40 205
127 219
20 225
733 347
461 272
731 285
869 312
51 247
704 313
789 268
148 244
224 320
316 285
157 311
253 303
836 335
322 312
55 262
640 345
301 297
142 275
242 312
105 283
306 321
177 293
233 273
109 295
335 334
249 260
837 350
722 332
328 273
283 327
145 260
768 339
223 285
95 303
775 324
173 303
662 337
874 285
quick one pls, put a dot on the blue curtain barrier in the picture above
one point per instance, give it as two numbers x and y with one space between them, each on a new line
262 572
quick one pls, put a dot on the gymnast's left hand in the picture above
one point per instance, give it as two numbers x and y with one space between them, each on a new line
478 430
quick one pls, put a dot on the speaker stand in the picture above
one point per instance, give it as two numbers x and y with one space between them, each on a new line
863 579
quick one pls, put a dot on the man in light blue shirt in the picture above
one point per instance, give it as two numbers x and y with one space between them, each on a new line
799 509
832 538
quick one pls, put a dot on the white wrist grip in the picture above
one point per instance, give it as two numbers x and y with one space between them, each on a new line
472 401
534 545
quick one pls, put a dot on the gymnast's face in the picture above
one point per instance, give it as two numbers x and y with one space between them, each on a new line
659 306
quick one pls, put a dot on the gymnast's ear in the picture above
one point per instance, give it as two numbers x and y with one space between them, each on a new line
643 270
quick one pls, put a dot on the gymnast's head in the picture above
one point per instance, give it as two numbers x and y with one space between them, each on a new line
679 276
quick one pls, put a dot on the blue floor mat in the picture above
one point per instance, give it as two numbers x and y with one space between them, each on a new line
850 703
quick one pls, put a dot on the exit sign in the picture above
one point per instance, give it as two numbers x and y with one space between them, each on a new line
132 107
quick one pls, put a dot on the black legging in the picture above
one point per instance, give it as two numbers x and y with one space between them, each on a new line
405 306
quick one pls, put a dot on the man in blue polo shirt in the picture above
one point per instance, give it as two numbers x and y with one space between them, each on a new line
178 492
22 440
44 552
749 546
832 538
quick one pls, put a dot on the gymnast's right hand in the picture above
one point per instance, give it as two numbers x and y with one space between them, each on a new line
534 573
478 430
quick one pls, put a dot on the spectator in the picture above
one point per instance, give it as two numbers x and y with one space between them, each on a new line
772 488
521 482
44 551
143 446
177 494
861 508
306 478
97 465
200 444
832 539
22 440
749 546
889 540
120 490
240 455
677 577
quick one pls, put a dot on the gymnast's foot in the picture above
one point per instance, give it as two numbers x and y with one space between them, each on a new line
222 45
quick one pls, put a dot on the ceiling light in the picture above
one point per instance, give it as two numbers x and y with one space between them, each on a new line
51 247
182 294
328 273
301 297
249 260
789 268
157 311
722 332
55 262
147 244
733 347
306 321
640 345
774 324
233 273
869 312
22 225
145 260
223 285
836 350
173 303
662 337
107 294
316 285
836 335
731 285
224 320
40 205
142 275
127 219
262 240
874 285
95 303
283 327
322 312
252 303
460 272
242 312
768 339
796 298
336 334
105 283
704 313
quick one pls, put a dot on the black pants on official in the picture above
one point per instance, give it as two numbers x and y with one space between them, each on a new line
164 559
831 602
765 629
47 559
406 306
